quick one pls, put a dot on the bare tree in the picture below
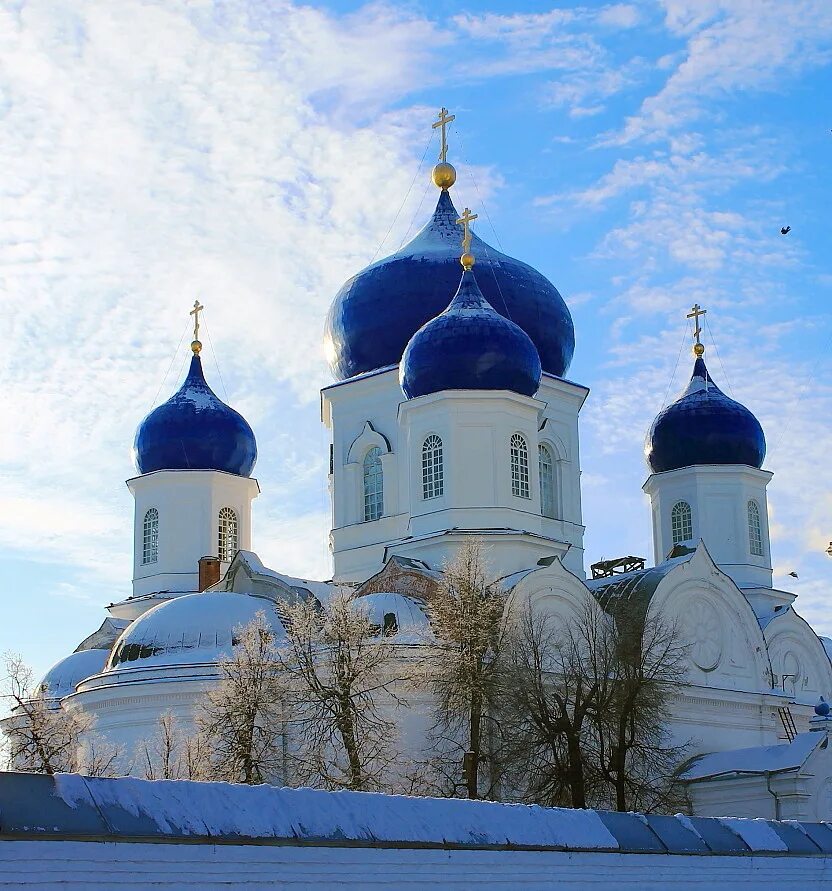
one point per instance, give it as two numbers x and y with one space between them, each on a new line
586 707
462 671
636 755
240 722
340 671
45 736
172 755
556 678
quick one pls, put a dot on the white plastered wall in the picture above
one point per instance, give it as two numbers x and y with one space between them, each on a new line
718 496
188 502
476 428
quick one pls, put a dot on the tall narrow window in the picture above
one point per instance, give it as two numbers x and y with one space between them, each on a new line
150 536
547 480
228 534
681 522
755 532
433 472
373 485
519 467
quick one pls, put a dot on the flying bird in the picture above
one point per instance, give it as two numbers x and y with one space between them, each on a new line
794 575
784 230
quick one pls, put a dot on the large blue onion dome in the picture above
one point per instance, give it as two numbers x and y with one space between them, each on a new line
195 430
378 310
469 347
704 426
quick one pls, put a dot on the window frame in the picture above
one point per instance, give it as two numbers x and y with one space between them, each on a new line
547 481
228 534
150 537
433 467
681 521
755 529
372 500
520 477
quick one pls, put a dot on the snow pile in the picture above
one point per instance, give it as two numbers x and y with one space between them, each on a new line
757 834
222 810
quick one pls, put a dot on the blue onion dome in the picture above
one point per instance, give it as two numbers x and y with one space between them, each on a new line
195 430
469 347
377 311
704 426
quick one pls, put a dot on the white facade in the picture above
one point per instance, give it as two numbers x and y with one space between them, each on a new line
475 430
723 505
177 521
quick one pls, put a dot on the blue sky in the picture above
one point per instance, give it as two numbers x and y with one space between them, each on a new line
642 155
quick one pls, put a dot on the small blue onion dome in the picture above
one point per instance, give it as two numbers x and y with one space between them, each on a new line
195 430
377 311
704 426
469 347
822 708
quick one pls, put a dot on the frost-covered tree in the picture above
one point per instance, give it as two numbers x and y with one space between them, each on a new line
462 670
240 720
340 671
45 736
170 754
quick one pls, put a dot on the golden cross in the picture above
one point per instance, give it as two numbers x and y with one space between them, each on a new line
198 307
444 120
694 314
465 221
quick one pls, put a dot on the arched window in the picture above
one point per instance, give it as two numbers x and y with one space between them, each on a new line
228 534
681 522
546 467
755 532
150 536
433 471
519 467
373 485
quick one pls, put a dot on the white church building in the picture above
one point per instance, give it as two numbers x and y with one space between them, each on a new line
452 415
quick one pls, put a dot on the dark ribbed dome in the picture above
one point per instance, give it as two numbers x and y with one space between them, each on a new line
378 310
469 347
704 426
195 430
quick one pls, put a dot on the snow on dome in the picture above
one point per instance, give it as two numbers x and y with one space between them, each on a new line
469 346
195 430
195 628
377 311
704 426
65 675
409 622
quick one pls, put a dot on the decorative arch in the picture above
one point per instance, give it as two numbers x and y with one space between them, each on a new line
725 645
367 439
799 664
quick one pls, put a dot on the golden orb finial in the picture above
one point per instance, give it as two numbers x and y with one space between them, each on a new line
467 260
444 175
698 350
196 346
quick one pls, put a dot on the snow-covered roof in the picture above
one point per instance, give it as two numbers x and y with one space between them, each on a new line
756 760
827 646
125 809
63 677
196 628
323 591
411 622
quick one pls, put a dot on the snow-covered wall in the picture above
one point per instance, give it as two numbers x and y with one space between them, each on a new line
76 832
